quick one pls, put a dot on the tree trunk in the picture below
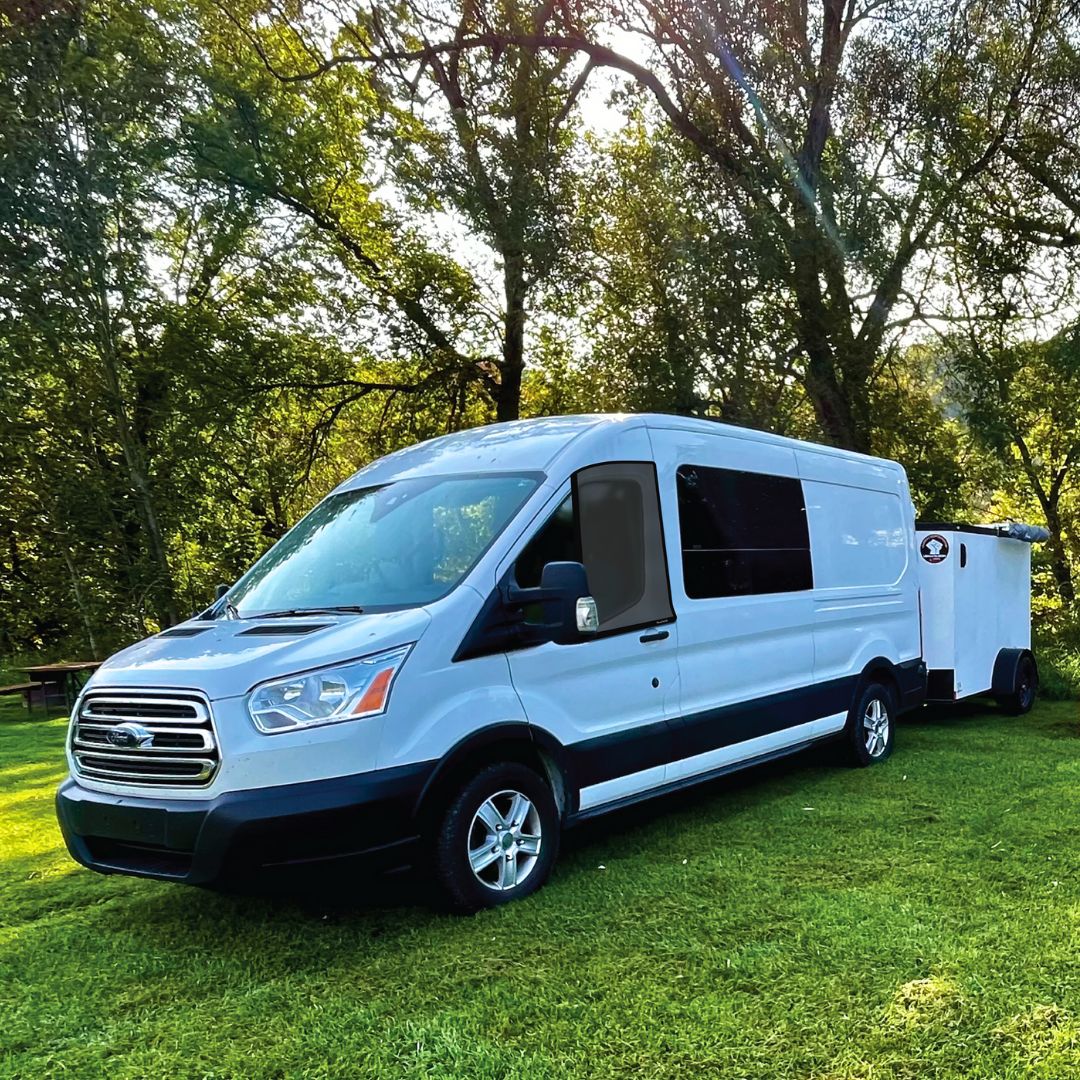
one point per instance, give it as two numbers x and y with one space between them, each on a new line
80 600
1059 559
831 399
1049 500
836 383
140 483
508 397
132 447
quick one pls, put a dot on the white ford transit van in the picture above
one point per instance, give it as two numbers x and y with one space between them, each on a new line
479 640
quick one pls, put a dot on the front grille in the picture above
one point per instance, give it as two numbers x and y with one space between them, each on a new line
166 740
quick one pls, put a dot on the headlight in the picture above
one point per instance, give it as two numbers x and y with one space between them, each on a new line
347 692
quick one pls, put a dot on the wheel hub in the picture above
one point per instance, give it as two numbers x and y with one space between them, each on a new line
504 840
876 728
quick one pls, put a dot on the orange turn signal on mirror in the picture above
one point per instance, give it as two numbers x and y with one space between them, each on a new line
374 697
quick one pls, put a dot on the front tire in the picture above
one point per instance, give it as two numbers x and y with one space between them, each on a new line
871 727
497 839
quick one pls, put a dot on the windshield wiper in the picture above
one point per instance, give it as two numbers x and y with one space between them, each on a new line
348 609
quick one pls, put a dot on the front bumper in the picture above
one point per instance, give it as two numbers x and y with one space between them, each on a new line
367 820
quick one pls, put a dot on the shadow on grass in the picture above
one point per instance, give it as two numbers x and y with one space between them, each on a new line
25 719
397 900
755 785
19 776
341 896
945 715
1049 720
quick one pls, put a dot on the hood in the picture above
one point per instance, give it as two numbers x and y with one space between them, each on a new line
227 657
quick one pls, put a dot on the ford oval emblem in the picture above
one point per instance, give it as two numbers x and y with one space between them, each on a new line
129 736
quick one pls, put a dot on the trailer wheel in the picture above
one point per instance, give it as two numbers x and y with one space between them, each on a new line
1025 687
871 726
497 839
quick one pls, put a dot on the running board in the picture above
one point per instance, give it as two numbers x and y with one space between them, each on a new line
690 781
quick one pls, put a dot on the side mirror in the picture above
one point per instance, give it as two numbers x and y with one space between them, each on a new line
568 587
569 612
220 591
559 609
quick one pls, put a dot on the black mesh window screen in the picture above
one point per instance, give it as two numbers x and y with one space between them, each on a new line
622 544
742 533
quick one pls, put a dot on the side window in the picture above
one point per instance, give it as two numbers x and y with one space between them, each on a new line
611 524
557 541
742 533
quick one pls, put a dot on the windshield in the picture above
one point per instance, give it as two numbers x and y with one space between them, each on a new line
400 545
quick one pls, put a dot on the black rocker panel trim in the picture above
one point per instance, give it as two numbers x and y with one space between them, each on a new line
731 724
686 782
624 752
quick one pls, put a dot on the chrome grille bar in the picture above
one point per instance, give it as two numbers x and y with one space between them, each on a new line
166 740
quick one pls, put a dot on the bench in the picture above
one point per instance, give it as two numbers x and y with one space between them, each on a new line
26 689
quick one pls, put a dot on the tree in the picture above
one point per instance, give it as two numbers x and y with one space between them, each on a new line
82 144
680 310
845 134
1023 401
486 142
172 375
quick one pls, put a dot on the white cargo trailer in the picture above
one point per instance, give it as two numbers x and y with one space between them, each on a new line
975 587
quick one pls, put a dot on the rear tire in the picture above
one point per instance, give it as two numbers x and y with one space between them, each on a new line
871 727
497 839
1025 688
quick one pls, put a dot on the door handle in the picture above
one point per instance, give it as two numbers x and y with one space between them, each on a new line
660 635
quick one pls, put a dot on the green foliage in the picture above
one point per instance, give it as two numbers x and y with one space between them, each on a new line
248 247
682 318
1057 647
950 473
1059 671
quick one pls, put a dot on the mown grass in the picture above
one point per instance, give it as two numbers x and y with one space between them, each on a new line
921 919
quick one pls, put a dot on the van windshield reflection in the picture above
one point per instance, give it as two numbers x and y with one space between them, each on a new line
394 546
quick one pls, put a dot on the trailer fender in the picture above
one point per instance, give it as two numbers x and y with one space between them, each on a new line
1005 667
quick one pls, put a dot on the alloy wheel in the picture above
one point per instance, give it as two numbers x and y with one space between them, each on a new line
876 727
504 840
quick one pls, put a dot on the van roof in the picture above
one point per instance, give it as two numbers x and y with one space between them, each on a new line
532 445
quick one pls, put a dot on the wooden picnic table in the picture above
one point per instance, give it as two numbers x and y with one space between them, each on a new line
66 675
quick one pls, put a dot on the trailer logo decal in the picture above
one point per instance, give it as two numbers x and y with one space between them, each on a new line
934 548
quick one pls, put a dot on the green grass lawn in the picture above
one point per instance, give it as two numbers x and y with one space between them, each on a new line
921 919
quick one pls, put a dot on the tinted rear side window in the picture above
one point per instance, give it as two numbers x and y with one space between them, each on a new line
742 533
